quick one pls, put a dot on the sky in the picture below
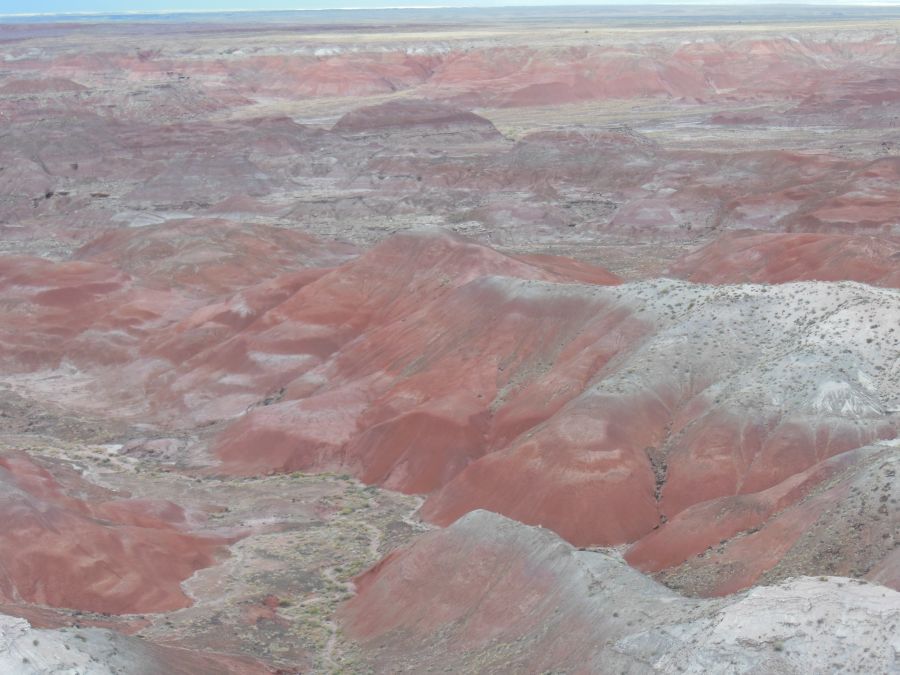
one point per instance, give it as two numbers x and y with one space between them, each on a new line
111 6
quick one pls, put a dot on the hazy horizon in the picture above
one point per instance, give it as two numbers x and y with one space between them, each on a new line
46 7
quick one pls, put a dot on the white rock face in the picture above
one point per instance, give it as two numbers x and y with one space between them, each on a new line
25 650
584 611
28 651
842 398
806 624
817 348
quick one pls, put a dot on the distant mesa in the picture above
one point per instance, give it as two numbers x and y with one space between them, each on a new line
413 116
736 118
49 85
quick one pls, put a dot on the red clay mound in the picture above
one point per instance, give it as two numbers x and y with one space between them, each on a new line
740 257
586 459
829 519
305 330
190 285
352 330
867 202
568 268
87 552
210 256
51 306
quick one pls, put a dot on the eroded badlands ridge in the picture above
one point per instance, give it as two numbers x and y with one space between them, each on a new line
585 611
278 300
690 416
516 140
363 178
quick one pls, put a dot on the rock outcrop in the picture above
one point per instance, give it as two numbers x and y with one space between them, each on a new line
445 602
93 651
